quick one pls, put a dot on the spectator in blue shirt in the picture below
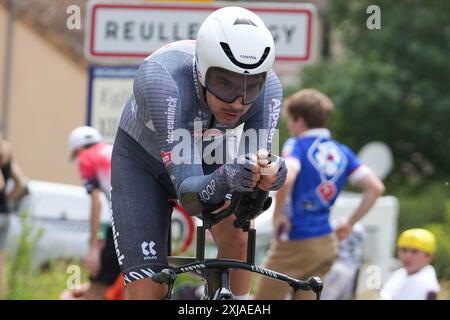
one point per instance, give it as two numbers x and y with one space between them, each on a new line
318 168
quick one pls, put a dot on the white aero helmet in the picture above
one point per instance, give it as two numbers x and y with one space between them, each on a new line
83 136
234 39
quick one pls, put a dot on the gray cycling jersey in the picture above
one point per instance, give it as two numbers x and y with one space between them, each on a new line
165 98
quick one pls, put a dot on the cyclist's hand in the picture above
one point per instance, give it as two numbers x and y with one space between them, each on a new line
268 171
273 174
281 224
343 230
243 175
92 260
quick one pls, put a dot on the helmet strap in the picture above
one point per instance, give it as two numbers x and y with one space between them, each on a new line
204 94
201 89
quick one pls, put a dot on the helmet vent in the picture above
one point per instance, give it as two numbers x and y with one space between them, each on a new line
226 49
242 20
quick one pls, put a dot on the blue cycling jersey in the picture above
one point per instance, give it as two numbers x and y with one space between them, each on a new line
325 166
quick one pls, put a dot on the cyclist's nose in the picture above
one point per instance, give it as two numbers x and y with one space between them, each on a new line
237 104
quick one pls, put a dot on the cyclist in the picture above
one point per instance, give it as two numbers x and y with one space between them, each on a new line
94 163
318 168
417 279
185 96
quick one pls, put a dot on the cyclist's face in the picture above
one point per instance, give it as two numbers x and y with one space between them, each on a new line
228 85
230 94
226 113
413 260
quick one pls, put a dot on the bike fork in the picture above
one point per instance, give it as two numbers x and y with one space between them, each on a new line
217 285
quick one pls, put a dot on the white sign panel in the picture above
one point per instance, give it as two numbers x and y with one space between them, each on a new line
124 31
109 90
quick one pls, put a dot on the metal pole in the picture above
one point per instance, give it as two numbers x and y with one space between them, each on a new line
7 73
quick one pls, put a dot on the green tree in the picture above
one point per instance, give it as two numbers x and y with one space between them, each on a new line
392 84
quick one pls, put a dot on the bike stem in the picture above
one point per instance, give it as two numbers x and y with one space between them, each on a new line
219 280
200 251
201 244
251 243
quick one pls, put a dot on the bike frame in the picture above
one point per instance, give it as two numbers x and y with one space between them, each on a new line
216 272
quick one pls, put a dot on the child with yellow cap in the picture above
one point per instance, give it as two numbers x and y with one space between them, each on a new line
417 279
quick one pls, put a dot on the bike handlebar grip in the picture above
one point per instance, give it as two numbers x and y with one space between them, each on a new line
302 285
165 276
315 284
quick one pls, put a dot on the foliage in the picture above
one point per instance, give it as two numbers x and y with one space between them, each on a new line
392 84
442 256
21 269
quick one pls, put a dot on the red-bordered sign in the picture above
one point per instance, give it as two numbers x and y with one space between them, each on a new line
124 31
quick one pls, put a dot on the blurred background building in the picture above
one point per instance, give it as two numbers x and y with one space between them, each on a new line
46 93
44 82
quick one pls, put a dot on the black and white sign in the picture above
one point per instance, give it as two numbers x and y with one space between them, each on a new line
109 89
131 31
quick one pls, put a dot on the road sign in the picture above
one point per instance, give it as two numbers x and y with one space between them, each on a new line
131 31
109 89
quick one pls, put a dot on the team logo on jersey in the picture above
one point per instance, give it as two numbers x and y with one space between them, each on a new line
326 191
212 134
328 159
330 163
207 134
198 134
166 157
148 250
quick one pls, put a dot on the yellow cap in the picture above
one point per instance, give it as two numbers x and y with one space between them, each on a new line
419 239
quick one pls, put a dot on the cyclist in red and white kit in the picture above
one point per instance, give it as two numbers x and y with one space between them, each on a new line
94 164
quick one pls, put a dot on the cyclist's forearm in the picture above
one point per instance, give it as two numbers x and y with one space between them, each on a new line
95 217
210 189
